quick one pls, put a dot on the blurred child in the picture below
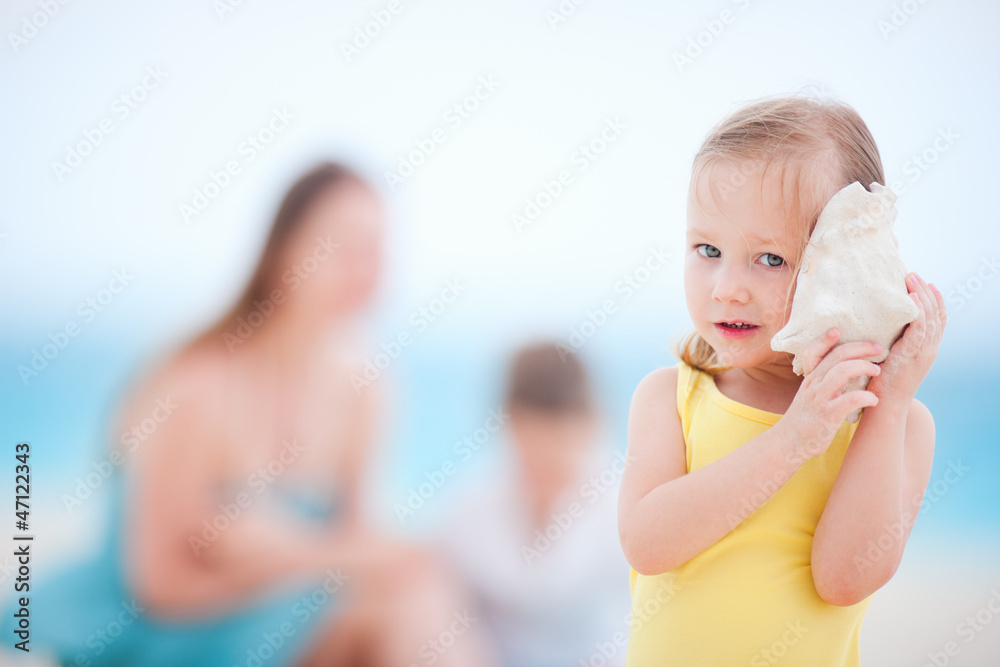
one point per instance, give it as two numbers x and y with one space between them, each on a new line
534 541
752 506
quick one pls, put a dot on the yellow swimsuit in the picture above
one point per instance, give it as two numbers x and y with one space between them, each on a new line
749 599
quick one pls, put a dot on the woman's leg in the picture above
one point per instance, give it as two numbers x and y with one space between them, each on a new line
420 619
344 637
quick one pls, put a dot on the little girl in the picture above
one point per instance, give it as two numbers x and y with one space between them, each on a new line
757 521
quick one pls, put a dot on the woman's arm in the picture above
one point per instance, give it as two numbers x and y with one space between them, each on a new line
177 566
354 457
867 521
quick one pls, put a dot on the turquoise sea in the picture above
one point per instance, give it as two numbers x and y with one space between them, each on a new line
443 393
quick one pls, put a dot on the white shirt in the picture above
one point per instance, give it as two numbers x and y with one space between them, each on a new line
551 598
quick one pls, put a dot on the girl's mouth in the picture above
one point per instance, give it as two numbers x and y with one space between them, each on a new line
736 329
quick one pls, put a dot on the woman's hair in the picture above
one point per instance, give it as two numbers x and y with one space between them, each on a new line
547 378
816 144
300 197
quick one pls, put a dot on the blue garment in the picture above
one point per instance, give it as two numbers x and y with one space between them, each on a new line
87 617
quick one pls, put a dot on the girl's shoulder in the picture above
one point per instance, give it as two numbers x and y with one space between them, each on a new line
662 387
672 383
659 383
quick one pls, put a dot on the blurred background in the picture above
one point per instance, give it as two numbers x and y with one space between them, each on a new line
537 154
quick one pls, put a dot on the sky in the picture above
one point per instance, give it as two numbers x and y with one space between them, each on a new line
495 104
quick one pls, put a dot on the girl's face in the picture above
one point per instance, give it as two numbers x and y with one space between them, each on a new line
739 260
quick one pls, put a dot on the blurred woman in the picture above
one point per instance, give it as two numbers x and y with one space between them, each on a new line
243 540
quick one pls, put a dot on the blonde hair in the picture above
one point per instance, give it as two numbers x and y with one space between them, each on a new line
821 142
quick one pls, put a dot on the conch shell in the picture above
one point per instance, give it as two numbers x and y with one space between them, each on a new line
851 277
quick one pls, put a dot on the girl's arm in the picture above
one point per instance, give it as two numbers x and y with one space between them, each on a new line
667 516
868 517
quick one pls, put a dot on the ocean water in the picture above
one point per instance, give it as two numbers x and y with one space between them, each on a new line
441 395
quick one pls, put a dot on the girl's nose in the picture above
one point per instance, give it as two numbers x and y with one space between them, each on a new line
730 285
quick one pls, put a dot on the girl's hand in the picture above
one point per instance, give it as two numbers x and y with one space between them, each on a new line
820 406
911 357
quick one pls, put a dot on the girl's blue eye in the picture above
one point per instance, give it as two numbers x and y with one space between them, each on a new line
706 250
772 260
